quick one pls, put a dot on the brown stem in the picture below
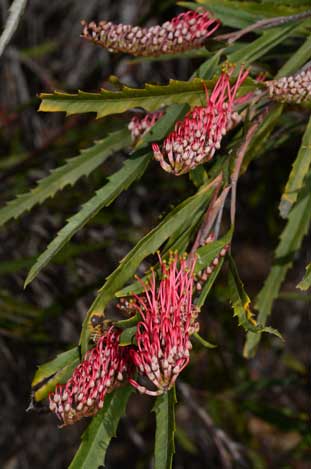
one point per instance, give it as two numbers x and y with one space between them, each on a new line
241 152
197 243
228 449
262 24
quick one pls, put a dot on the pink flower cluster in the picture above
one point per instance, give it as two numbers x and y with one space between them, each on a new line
138 126
195 139
186 31
293 89
168 319
102 370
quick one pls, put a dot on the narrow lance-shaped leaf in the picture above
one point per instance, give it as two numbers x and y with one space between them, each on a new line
241 303
151 98
54 372
237 14
180 216
297 60
299 170
132 169
256 49
290 240
164 449
68 174
149 244
205 255
305 283
96 439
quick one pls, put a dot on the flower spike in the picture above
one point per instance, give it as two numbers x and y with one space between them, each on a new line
168 320
184 32
138 126
293 89
101 371
195 139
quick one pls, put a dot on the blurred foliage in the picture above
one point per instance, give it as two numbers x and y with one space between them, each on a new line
260 405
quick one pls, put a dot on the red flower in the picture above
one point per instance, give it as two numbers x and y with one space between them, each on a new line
102 369
138 126
186 31
168 320
195 139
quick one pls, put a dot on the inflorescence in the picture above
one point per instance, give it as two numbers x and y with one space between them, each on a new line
293 89
196 138
168 319
138 126
184 32
102 370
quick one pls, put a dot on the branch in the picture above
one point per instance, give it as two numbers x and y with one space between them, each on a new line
262 24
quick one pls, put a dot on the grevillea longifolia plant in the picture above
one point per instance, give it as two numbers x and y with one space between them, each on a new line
138 334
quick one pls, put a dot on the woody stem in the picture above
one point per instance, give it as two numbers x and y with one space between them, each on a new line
262 24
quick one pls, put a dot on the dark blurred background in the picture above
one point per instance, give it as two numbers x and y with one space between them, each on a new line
258 406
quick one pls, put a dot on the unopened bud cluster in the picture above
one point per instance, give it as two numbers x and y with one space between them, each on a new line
203 275
195 139
186 31
293 89
101 371
138 126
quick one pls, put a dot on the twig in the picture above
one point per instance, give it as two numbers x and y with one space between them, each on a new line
239 160
216 208
197 243
262 24
227 448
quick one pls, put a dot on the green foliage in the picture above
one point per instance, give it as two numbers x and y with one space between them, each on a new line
95 440
241 303
164 449
66 175
305 283
291 238
297 175
272 51
118 182
56 371
151 98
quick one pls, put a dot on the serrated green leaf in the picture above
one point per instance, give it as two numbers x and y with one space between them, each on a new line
57 371
305 283
241 303
149 244
299 170
150 98
178 217
290 240
65 175
164 449
132 169
206 255
96 439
